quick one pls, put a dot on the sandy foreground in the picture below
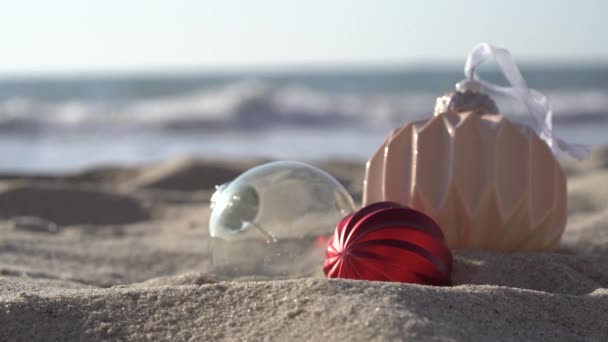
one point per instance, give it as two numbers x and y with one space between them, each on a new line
121 253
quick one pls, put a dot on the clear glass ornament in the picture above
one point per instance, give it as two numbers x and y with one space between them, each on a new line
274 220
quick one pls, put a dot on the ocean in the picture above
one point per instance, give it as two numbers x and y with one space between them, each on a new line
59 124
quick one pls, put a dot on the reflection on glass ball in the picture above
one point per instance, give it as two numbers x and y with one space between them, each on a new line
274 220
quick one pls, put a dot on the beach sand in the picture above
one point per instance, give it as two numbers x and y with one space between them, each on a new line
121 253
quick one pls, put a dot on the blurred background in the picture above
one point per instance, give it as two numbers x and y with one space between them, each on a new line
84 83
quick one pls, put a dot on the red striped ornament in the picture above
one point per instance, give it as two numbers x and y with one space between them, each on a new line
386 241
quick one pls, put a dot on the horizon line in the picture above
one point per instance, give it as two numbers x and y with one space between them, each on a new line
293 68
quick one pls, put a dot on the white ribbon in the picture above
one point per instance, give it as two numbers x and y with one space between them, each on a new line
537 104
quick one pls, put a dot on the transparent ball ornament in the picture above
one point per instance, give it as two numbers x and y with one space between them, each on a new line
275 220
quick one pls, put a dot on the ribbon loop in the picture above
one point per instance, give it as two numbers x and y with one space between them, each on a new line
536 102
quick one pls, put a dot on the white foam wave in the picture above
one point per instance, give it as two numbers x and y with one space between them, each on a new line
257 104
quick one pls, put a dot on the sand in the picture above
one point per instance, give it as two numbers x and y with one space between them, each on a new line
121 253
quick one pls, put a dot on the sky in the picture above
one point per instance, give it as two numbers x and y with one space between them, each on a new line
73 36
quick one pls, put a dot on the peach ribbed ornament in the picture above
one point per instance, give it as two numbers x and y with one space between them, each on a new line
488 182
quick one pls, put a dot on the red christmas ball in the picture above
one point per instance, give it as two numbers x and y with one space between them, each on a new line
386 241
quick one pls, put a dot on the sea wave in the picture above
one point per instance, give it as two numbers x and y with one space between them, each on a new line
255 104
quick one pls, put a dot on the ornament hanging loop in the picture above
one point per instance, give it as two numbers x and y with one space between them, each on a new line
537 104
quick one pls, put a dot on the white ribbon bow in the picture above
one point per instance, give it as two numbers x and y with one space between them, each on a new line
537 104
